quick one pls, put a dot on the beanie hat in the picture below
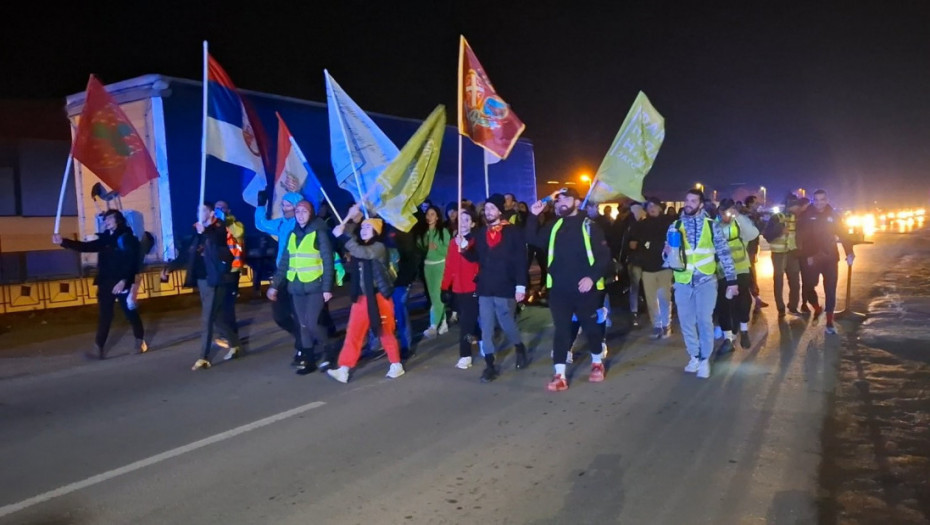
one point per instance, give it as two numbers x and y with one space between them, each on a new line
376 224
497 200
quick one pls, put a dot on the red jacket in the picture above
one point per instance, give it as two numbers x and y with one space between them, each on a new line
460 273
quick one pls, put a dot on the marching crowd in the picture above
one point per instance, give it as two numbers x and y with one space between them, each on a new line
475 260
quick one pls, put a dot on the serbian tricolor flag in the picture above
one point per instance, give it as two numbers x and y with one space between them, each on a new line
107 143
234 133
484 117
293 172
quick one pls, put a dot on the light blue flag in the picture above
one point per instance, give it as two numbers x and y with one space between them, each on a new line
355 142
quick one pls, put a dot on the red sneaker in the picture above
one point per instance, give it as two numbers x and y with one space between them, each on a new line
558 383
597 373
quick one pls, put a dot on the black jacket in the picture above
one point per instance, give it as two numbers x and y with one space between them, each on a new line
410 258
649 235
376 252
118 256
818 232
323 245
570 258
208 257
501 268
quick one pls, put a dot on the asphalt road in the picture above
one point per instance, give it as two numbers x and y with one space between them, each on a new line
143 439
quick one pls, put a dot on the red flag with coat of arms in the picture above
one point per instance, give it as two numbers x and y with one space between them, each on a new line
108 144
484 117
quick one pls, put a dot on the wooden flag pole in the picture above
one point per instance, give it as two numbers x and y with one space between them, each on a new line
203 138
61 194
300 155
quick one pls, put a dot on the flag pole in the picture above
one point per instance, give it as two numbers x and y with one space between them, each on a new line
358 182
590 189
460 103
61 194
487 185
459 202
203 137
300 155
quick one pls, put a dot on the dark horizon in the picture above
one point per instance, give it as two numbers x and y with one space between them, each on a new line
783 97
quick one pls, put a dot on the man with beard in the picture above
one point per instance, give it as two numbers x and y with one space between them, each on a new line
702 246
578 261
818 230
500 251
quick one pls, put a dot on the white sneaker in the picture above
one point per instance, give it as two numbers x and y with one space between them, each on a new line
430 332
569 357
693 365
443 329
396 370
464 363
703 370
340 374
454 317
603 350
232 354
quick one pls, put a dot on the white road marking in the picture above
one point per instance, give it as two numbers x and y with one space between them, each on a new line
6 510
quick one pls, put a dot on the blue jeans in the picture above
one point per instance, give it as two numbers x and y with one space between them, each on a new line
402 316
493 311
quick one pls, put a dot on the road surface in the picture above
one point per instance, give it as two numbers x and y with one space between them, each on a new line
142 439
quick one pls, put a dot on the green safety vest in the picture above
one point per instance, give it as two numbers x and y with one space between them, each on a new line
701 258
788 241
737 248
586 232
305 262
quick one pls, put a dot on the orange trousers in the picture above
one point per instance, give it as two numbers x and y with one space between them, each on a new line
357 331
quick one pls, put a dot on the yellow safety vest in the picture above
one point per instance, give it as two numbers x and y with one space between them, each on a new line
305 262
737 248
788 241
586 233
701 258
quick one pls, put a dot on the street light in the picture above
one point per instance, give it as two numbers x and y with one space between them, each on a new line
586 178
699 186
762 189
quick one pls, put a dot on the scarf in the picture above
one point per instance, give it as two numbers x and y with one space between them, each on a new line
494 234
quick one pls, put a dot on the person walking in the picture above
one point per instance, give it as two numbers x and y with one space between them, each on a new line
235 241
739 231
698 245
579 258
434 243
459 277
634 265
781 234
209 263
819 229
118 261
649 236
372 288
500 251
307 271
403 246
282 310
752 210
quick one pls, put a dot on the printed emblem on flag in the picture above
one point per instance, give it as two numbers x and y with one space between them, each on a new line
112 138
483 110
249 135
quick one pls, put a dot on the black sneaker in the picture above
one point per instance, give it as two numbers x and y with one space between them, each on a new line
725 347
781 314
489 374
795 312
522 360
635 320
744 340
306 367
805 309
296 361
657 332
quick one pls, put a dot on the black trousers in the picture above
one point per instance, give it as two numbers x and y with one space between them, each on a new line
282 311
105 301
230 297
312 336
731 312
811 278
211 304
584 306
468 321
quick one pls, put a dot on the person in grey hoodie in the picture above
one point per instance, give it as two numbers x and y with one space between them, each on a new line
282 310
702 249
307 272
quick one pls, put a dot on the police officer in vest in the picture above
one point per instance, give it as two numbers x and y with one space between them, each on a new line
740 231
579 258
700 246
307 269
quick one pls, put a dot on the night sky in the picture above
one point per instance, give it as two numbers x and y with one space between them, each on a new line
776 95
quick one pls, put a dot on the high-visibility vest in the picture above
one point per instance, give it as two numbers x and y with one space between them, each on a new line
702 258
586 233
737 248
235 248
305 262
788 241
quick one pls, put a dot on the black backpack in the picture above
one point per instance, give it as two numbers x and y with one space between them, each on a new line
774 229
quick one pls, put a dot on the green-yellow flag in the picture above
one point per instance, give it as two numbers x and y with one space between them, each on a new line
631 155
407 180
